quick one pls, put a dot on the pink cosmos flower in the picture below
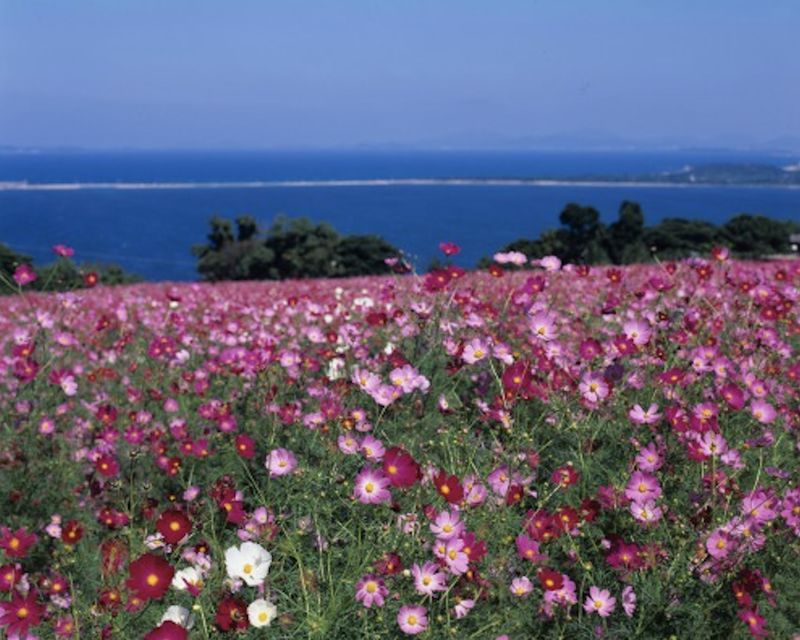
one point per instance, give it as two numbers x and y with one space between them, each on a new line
543 326
428 579
412 619
474 492
372 448
719 544
760 505
367 380
628 600
463 607
637 331
510 257
713 444
63 251
521 587
642 487
456 560
23 275
639 416
550 263
348 445
762 411
565 597
474 351
593 387
47 426
647 512
600 602
280 462
499 480
528 549
371 590
447 525
649 459
371 486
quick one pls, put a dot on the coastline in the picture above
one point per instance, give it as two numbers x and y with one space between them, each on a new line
399 182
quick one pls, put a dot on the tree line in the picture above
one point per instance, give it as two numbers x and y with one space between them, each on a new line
583 238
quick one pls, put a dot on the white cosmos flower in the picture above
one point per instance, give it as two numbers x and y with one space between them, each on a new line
261 612
179 615
249 562
189 575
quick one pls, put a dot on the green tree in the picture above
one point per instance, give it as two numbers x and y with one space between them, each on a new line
750 236
675 238
583 237
624 241
290 248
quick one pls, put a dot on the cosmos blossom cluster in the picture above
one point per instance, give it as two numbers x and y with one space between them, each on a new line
534 450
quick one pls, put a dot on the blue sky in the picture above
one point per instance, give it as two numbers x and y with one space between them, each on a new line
305 73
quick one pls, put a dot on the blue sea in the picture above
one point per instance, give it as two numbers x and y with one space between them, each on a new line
144 210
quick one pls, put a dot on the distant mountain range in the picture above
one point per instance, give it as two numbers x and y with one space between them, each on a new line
567 141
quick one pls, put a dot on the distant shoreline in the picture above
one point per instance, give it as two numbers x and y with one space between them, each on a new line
399 182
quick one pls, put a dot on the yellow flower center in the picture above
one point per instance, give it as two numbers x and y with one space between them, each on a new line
22 612
263 616
412 619
152 580
371 587
369 487
248 568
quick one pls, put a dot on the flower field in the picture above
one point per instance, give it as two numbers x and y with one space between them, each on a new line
559 453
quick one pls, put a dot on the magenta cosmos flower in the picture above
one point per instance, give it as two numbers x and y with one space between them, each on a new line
412 619
371 590
371 487
280 462
599 601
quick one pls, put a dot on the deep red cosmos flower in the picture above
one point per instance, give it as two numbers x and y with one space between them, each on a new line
449 248
16 543
107 465
149 576
20 614
168 631
231 614
449 487
10 575
565 476
401 469
90 279
388 564
245 446
71 532
174 526
549 579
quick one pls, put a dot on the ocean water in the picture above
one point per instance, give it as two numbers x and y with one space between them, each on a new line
150 230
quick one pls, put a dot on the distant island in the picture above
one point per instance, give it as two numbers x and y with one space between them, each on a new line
710 174
730 174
